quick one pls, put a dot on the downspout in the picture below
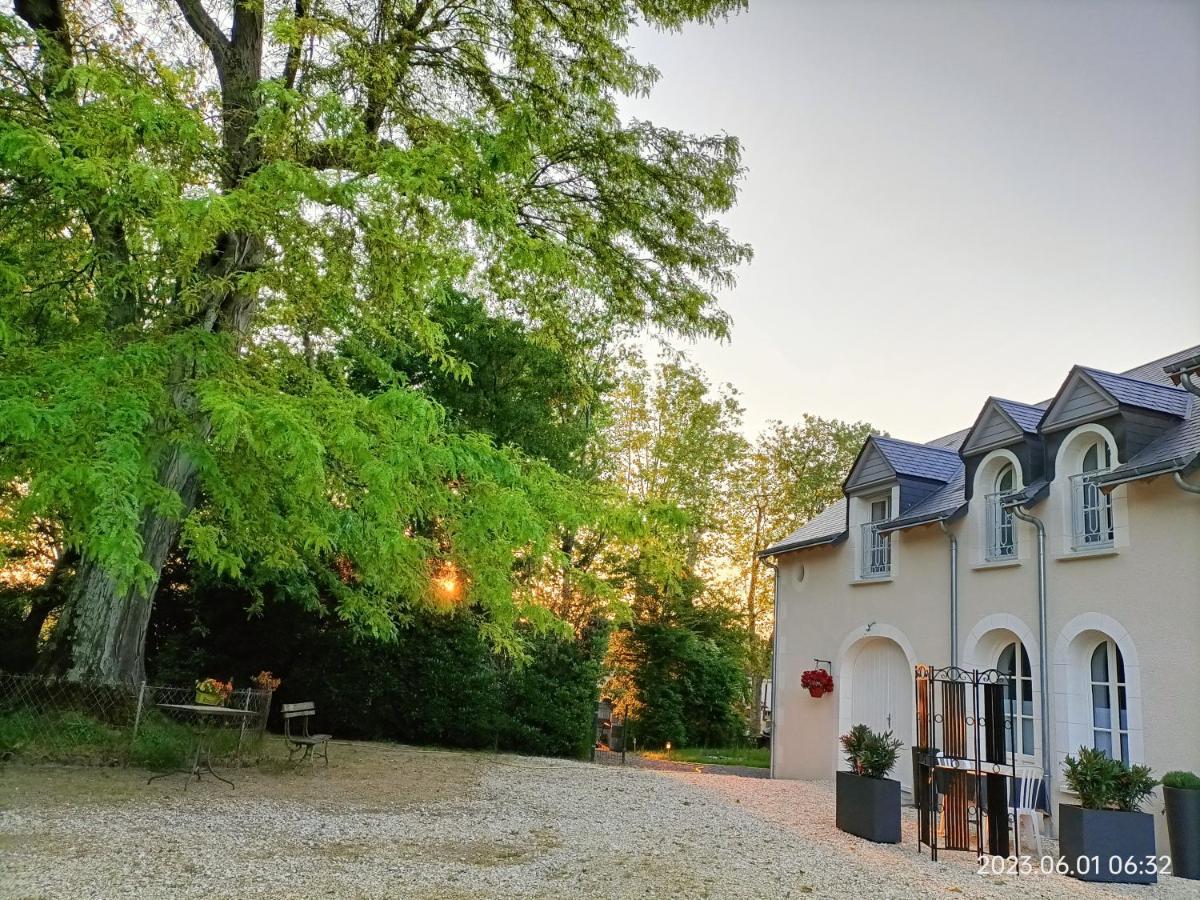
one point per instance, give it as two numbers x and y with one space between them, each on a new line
1043 653
774 567
1187 486
953 592
1188 383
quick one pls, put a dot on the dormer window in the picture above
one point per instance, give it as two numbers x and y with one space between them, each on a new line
1092 508
1001 533
876 547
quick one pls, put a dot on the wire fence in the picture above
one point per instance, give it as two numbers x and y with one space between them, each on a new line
614 739
59 720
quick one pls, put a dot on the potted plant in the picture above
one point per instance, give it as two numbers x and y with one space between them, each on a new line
818 681
266 681
211 692
1106 837
1181 791
868 803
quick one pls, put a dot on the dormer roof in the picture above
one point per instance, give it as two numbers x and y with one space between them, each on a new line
1000 423
1091 394
883 459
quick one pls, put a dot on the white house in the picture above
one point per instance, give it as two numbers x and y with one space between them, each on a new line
1058 542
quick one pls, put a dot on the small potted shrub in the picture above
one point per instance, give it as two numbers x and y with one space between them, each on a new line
868 803
817 681
211 692
1106 837
1181 791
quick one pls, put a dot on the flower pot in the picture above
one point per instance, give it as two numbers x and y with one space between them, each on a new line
817 692
1107 844
868 807
206 698
1183 826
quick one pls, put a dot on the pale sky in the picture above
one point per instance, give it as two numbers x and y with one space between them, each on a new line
947 198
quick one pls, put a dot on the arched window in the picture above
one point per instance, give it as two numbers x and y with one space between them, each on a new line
1002 536
1018 698
1093 518
1110 732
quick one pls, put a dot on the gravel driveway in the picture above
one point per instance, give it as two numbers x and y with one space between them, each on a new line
388 821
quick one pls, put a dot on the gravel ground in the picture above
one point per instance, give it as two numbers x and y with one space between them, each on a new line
389 821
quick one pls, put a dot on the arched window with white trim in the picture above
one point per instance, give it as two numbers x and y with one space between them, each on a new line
1091 507
1110 703
1018 698
1001 533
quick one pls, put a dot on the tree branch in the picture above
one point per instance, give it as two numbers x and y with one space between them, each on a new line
206 29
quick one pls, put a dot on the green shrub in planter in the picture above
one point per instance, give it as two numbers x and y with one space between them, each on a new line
1181 793
868 804
1105 837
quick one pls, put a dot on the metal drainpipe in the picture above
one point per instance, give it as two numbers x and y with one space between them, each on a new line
1043 655
1179 480
774 567
1188 383
953 592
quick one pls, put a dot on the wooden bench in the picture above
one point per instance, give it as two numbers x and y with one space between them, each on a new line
303 741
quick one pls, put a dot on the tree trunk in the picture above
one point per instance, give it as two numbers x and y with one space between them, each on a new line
105 622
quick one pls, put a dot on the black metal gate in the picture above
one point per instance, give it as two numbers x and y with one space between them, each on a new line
963 772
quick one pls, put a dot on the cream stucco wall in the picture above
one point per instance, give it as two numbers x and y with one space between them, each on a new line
1145 595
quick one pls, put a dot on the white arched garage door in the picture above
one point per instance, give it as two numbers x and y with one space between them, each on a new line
881 696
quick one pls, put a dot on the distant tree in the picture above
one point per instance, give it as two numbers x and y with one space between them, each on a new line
791 474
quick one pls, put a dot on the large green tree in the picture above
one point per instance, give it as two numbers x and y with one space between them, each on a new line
199 204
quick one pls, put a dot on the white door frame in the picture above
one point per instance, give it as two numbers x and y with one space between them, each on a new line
848 653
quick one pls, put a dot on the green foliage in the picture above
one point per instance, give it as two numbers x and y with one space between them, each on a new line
1183 781
61 736
193 284
870 753
438 681
1106 783
690 686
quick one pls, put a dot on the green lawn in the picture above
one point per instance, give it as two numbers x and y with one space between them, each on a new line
717 756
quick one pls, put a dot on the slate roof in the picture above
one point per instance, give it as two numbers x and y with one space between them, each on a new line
943 503
1143 394
826 527
1026 416
920 460
1177 448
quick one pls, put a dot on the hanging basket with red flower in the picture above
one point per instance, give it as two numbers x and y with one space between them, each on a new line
818 681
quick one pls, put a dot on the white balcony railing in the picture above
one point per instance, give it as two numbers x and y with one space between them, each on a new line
1091 513
1001 533
876 552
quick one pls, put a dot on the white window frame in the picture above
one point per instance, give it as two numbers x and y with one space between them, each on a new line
1115 689
1001 527
1021 678
876 551
1093 526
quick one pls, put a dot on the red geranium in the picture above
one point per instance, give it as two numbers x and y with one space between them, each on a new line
818 681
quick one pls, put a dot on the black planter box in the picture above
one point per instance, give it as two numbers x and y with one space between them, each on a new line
869 807
1183 825
1089 839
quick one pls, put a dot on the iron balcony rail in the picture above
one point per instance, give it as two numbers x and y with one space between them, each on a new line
1091 513
1001 530
876 552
